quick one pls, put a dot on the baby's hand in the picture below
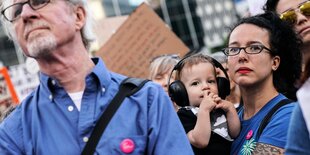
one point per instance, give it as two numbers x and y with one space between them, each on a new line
225 105
208 102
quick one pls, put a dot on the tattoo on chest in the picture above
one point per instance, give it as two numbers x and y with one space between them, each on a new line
265 149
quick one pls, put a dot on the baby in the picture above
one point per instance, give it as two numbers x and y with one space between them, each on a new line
208 120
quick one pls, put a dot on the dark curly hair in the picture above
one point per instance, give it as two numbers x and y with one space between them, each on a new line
271 5
306 73
284 43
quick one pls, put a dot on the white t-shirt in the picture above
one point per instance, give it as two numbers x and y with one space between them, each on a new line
303 95
77 98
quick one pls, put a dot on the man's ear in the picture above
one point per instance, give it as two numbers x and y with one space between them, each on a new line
80 17
275 63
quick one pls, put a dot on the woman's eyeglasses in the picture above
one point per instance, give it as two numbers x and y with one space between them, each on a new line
252 49
13 11
290 15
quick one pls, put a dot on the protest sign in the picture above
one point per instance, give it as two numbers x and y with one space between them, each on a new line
8 96
140 38
7 92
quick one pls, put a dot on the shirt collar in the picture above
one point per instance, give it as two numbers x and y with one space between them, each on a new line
101 72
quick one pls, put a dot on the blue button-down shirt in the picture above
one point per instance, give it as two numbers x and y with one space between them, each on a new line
48 122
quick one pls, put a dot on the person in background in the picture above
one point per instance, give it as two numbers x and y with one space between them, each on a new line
262 51
234 96
203 119
74 91
297 14
298 140
160 70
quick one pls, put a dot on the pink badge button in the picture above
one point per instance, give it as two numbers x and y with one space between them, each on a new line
127 145
249 135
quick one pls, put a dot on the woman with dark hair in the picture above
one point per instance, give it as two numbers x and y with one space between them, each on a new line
264 59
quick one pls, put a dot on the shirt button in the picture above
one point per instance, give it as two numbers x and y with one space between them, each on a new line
70 108
54 82
50 97
85 139
103 89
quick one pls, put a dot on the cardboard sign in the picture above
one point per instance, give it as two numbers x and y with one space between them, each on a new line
25 78
140 38
106 27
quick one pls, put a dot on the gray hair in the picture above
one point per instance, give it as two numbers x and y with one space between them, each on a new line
162 64
86 32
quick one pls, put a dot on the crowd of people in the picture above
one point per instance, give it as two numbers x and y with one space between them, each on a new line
252 99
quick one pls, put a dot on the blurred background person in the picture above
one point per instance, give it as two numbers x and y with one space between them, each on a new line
161 68
297 14
298 139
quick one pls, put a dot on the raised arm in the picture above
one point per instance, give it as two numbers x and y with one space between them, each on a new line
200 135
231 116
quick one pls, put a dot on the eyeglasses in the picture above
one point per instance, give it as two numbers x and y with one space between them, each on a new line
252 49
290 15
12 12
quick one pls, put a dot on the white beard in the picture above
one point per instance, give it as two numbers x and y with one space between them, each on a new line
41 45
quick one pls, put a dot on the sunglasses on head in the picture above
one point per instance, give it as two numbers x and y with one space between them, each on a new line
290 15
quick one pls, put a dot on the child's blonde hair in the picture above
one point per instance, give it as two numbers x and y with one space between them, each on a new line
162 64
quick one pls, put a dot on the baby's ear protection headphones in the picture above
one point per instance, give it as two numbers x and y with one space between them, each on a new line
178 92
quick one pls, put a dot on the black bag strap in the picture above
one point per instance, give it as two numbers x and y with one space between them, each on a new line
128 87
267 118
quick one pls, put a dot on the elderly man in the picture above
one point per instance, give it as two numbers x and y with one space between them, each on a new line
59 116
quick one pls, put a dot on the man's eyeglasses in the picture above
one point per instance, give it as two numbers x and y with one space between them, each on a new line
290 15
252 49
12 12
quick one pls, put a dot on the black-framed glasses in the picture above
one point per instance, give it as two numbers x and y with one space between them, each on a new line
252 49
12 12
290 15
